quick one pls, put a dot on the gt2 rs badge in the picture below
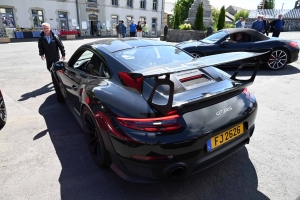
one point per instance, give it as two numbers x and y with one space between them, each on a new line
223 111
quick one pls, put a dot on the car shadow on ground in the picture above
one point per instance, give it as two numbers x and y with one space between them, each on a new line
45 89
247 71
233 178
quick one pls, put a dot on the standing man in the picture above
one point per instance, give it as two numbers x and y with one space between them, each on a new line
258 24
124 27
277 26
132 29
239 24
119 29
265 23
48 46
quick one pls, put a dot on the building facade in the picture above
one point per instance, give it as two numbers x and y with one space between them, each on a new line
91 17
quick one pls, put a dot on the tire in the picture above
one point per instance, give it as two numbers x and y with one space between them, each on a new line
278 59
59 96
3 112
94 139
196 54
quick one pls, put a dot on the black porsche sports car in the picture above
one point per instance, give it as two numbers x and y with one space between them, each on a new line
153 112
284 51
3 113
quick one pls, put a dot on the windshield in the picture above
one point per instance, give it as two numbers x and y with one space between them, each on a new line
143 57
214 37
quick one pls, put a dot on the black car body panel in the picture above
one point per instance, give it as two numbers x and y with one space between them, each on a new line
3 112
148 138
255 41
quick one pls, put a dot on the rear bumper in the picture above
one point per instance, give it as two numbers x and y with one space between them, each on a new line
189 158
294 55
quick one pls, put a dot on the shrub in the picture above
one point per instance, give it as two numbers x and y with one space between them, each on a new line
185 26
229 26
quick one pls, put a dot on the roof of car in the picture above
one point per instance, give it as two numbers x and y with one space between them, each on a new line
249 31
113 45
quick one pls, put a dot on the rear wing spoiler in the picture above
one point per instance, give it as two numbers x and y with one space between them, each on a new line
134 79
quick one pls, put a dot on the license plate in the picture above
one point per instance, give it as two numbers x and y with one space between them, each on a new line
225 137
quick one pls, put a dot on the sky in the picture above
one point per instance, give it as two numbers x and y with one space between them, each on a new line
251 4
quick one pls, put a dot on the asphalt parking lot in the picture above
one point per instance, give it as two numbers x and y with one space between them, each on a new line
43 154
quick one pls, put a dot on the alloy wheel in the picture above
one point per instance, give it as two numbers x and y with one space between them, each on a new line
92 136
278 59
196 55
3 113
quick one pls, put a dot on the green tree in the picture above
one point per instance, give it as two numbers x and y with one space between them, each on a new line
199 25
184 6
215 16
176 17
221 20
269 4
242 13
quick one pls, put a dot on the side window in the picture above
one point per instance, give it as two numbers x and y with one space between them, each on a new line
96 67
83 60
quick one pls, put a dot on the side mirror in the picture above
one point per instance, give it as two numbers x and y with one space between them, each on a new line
59 65
225 43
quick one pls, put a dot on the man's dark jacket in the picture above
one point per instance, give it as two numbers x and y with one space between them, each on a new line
51 50
273 24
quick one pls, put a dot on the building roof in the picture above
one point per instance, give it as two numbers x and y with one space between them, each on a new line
169 8
230 16
273 13
233 9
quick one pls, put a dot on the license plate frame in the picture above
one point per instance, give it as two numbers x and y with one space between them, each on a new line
224 137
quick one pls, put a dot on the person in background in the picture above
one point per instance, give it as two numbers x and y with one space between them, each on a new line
123 29
238 24
267 29
240 38
48 44
145 29
258 24
139 30
277 26
132 28
119 29
264 22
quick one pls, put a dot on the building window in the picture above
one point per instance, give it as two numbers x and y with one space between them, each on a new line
38 19
114 2
143 4
154 5
63 20
7 17
153 30
129 18
114 22
93 1
142 19
129 3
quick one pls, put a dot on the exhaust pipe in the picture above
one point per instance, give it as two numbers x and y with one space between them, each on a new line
177 172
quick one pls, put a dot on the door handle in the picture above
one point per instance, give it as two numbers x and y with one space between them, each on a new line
74 87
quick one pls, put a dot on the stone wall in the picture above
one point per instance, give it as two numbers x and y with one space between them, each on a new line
176 35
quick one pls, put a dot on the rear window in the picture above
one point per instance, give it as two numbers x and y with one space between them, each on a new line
143 57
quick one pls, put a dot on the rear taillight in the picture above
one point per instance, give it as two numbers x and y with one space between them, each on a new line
247 93
167 123
293 44
131 81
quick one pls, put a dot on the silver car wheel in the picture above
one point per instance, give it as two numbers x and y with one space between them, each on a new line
196 55
278 59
